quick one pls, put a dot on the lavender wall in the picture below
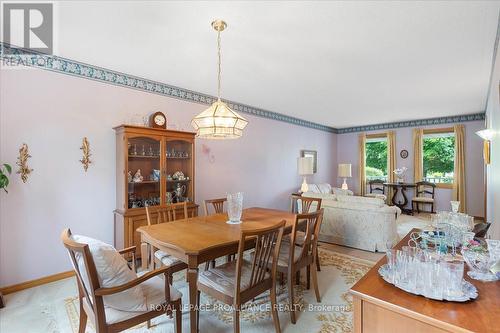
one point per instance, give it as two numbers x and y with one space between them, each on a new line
52 112
347 152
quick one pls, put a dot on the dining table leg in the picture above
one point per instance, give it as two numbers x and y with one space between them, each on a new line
192 276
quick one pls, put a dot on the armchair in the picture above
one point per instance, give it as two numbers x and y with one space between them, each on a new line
160 298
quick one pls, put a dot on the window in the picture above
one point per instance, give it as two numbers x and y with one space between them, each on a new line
439 156
376 157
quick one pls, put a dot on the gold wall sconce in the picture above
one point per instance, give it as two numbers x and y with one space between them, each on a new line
22 162
487 135
86 154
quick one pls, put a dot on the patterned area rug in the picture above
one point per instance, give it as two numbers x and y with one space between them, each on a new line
405 223
334 314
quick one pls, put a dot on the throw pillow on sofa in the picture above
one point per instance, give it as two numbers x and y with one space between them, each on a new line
325 188
313 188
361 200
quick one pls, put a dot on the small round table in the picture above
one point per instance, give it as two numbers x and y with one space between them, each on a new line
400 187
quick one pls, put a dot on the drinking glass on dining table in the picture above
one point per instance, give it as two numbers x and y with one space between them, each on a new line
234 207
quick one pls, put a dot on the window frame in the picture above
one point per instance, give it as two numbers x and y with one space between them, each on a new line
442 130
382 135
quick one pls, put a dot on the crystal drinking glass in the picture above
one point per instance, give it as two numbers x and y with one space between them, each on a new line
234 207
402 273
454 272
454 206
391 262
434 280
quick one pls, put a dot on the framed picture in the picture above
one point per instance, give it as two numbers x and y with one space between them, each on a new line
314 155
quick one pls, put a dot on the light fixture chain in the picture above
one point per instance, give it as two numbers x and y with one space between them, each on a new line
219 70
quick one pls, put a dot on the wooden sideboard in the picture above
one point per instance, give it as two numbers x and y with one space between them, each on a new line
381 307
160 155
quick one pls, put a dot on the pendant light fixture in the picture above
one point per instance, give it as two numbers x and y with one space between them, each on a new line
219 121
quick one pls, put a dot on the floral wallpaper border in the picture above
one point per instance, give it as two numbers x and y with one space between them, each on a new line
15 56
414 123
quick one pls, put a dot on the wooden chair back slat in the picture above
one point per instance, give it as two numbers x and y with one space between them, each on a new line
267 246
217 204
310 223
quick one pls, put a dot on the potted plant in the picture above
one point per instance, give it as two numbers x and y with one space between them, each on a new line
5 170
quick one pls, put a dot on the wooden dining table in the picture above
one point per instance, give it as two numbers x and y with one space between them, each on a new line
201 239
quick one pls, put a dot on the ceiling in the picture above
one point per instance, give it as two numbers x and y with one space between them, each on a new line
338 64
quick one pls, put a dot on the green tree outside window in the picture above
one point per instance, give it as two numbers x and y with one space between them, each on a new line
439 158
376 159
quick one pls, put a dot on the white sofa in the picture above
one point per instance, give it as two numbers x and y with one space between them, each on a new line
359 222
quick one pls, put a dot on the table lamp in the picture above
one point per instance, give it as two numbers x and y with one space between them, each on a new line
305 166
344 171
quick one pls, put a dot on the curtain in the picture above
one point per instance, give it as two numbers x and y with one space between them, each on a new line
418 161
391 162
459 173
362 163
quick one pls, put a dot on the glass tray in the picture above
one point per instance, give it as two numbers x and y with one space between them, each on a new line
468 289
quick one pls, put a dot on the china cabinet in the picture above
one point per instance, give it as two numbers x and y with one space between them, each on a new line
154 167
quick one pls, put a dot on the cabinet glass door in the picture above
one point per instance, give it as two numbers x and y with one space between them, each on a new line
144 172
179 169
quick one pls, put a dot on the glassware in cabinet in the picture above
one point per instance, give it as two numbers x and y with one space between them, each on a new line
144 171
179 170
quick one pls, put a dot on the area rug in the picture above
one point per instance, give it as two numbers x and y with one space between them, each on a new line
405 223
334 314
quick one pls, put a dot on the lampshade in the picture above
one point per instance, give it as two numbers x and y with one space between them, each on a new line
486 134
305 165
219 122
344 171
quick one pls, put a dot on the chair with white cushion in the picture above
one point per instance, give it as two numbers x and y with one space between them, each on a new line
165 214
424 196
111 294
241 280
305 205
293 258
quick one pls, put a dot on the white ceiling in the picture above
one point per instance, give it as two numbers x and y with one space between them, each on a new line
335 63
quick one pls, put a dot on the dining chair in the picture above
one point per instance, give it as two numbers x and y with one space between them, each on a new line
218 207
239 281
217 204
423 189
164 214
377 188
307 203
293 257
91 295
480 229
